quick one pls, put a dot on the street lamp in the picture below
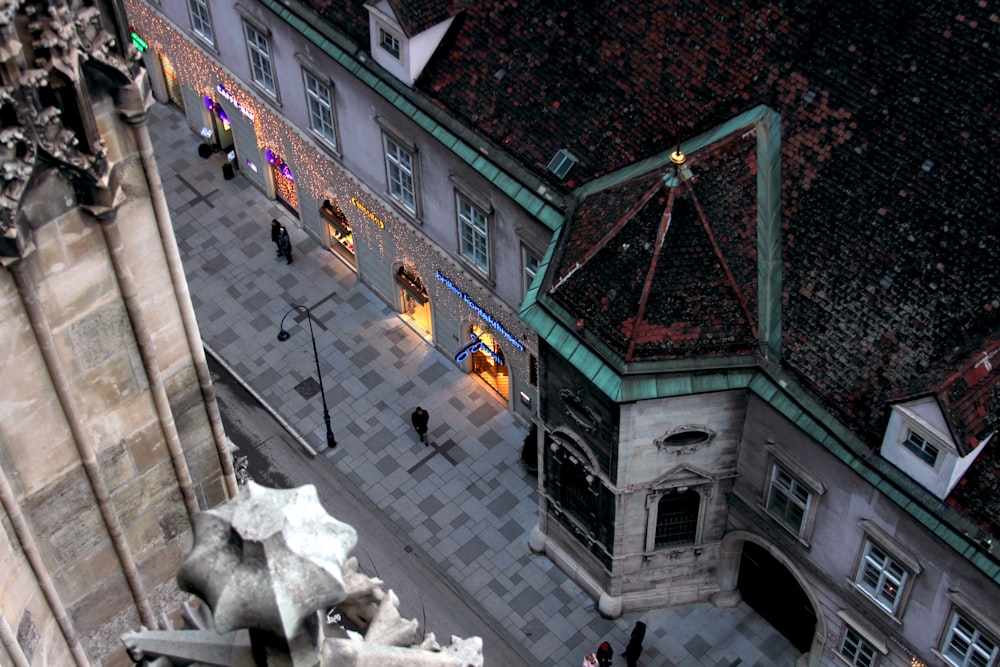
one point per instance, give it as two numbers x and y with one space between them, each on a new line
283 335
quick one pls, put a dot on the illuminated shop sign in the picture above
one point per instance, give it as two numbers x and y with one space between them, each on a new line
476 346
479 310
232 100
280 165
364 209
138 42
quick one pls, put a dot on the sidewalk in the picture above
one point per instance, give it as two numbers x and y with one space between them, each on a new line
465 500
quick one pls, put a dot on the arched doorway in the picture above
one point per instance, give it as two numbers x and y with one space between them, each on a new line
488 362
774 593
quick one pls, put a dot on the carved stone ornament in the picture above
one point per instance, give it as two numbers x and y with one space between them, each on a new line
684 439
273 569
44 45
577 410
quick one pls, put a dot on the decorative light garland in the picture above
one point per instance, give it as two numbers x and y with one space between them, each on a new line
314 172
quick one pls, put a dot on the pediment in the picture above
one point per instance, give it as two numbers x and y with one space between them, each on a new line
683 475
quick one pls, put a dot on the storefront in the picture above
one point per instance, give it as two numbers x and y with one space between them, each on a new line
173 85
284 182
340 235
415 303
487 362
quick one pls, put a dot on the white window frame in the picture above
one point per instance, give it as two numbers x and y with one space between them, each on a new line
889 575
319 102
387 39
921 448
975 640
788 491
400 172
527 272
201 20
259 54
473 233
855 649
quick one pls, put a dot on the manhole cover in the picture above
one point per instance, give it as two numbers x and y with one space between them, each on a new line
307 388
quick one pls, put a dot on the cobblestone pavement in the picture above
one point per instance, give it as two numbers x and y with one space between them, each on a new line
465 500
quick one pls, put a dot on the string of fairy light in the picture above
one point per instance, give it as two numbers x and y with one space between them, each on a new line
323 179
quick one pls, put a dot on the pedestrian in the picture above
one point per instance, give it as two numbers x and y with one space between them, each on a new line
634 648
604 654
590 660
419 419
284 244
275 234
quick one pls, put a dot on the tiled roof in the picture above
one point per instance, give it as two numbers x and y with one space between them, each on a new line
661 267
418 15
890 128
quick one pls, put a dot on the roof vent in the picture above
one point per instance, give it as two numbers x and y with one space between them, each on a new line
561 163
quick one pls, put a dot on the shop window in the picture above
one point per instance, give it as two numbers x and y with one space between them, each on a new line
170 78
414 300
201 20
676 520
473 234
966 645
400 174
319 99
488 362
339 228
856 650
259 51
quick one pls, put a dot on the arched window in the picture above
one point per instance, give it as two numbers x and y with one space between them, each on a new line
575 496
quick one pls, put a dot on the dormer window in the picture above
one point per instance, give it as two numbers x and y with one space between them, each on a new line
388 42
922 449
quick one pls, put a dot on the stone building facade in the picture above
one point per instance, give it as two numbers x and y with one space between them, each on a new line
110 438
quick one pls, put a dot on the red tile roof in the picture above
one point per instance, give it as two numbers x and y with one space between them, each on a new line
890 128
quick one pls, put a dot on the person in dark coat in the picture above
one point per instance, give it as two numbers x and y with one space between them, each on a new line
419 419
275 234
285 244
604 654
634 648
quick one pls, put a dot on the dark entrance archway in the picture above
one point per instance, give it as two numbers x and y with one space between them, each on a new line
773 592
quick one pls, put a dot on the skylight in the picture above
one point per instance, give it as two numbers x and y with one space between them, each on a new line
561 163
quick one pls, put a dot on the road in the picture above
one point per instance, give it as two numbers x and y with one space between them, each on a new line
276 459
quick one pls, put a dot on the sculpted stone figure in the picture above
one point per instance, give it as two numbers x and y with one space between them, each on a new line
273 569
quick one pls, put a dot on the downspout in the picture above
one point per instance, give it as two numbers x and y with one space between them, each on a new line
130 294
84 447
140 130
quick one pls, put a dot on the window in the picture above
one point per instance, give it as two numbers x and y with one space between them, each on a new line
925 451
881 577
201 22
966 646
676 519
473 234
530 262
260 59
399 171
856 650
788 500
574 491
320 104
389 42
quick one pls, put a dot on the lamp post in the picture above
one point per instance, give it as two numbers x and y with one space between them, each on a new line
283 335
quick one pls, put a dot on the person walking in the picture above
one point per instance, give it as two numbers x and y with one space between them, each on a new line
419 419
275 235
634 648
284 245
604 654
590 660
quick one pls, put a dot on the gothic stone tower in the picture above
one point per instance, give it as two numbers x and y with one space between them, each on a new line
110 438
